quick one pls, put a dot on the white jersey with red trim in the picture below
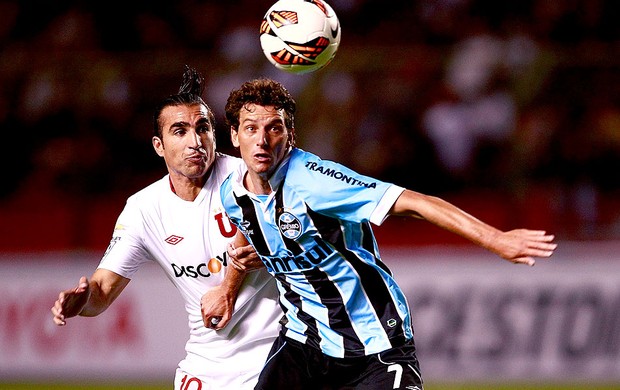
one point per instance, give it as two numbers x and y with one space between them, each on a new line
188 240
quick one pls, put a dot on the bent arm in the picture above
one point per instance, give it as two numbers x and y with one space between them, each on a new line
517 246
105 286
242 255
88 298
217 304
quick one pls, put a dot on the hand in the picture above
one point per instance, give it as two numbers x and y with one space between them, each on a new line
520 246
216 306
71 302
244 258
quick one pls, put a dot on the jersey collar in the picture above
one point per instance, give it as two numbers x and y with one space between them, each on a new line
274 182
280 173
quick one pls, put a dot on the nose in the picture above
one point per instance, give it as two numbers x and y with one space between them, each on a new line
261 139
195 140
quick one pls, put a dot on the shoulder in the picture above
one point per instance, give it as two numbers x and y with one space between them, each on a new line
304 164
150 192
224 165
226 185
227 162
300 155
300 160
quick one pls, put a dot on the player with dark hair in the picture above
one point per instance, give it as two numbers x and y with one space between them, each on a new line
348 324
178 222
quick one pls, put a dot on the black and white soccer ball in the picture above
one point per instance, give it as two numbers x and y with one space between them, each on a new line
300 36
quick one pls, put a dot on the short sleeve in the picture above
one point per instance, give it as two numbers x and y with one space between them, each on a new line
125 253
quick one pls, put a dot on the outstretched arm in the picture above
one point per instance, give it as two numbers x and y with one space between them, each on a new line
517 246
88 298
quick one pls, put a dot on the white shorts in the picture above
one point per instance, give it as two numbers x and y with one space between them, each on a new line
243 381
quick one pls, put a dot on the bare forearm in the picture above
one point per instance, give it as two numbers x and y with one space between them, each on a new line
217 304
446 216
105 287
517 246
457 221
96 303
233 280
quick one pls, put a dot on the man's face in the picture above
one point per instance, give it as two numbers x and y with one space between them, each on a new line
187 143
262 138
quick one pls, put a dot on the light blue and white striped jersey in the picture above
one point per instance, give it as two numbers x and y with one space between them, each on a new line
313 233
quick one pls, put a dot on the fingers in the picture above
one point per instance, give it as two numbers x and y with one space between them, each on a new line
82 285
537 242
541 252
541 245
217 323
234 254
236 264
232 251
58 310
215 320
239 266
522 246
527 257
212 322
213 316
65 298
243 251
524 260
58 317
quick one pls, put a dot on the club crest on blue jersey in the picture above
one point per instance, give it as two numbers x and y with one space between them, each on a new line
289 225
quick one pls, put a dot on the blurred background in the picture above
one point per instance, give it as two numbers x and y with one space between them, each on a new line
509 109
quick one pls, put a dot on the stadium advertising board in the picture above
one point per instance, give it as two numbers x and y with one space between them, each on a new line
475 316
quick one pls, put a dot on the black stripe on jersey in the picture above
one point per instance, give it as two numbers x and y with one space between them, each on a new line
256 233
371 281
339 319
311 332
291 245
368 243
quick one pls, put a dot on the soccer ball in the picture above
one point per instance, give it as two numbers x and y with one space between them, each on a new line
300 36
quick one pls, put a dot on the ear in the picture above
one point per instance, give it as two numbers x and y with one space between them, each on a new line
291 137
234 136
158 145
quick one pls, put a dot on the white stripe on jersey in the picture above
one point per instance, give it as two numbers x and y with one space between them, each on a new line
313 234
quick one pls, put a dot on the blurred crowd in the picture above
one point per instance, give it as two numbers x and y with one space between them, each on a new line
515 100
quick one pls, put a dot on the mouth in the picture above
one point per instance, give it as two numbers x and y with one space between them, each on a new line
262 157
196 158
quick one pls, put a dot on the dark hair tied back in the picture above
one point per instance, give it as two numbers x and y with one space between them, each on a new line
193 82
190 93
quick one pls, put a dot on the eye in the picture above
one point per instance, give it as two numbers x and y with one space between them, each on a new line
203 129
276 129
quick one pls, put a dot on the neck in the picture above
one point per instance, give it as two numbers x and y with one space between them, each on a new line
186 188
256 184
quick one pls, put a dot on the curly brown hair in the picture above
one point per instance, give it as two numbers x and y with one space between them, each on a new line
263 92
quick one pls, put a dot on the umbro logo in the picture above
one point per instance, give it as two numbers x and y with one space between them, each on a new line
173 240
